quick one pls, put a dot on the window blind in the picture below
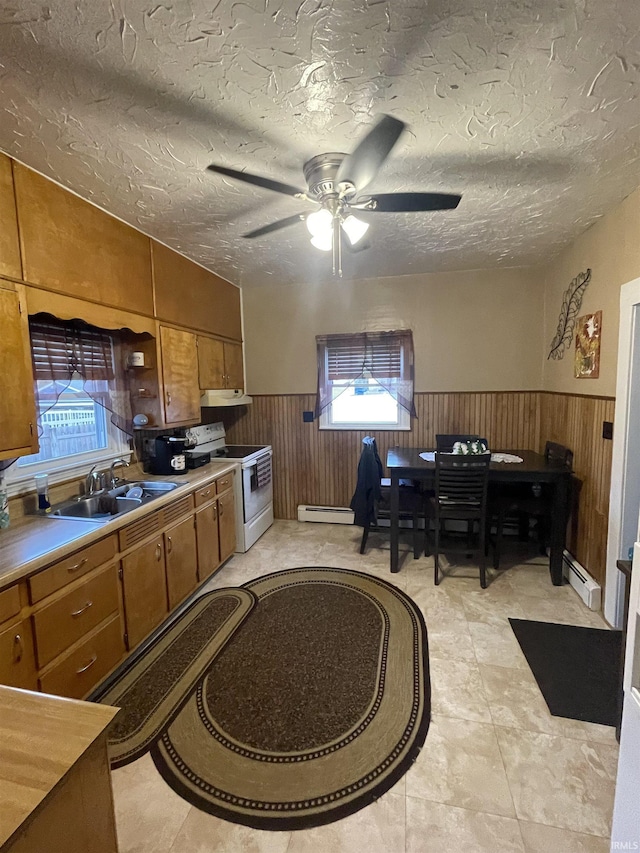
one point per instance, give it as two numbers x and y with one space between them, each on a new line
348 360
61 348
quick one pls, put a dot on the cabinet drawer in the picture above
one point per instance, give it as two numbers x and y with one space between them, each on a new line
206 493
64 621
67 570
17 662
224 483
79 672
9 603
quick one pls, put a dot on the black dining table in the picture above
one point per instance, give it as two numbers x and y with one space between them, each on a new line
406 463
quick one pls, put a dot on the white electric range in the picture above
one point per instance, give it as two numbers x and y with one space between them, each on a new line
254 486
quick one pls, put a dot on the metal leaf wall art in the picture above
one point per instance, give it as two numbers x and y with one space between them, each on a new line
571 302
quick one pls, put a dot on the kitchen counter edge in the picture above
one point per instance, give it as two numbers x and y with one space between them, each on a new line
22 550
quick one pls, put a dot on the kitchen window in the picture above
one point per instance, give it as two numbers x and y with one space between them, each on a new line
82 406
365 381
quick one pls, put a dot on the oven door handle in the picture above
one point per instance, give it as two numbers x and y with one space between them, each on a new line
252 464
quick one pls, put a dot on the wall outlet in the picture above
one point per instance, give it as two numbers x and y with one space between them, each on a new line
307 417
607 429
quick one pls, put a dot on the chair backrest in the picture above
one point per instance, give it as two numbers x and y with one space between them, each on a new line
445 441
461 483
558 455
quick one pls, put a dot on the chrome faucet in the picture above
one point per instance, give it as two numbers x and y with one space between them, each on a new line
94 481
112 477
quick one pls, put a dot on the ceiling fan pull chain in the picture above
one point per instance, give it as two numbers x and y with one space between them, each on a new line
337 247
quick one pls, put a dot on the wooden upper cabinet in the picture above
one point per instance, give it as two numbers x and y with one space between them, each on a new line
72 247
18 433
181 394
9 243
220 364
189 295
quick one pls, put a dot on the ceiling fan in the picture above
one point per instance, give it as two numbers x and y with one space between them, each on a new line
335 184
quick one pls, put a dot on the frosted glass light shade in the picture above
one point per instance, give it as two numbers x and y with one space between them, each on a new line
355 228
324 242
319 223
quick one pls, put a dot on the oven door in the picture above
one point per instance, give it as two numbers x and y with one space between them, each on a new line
257 486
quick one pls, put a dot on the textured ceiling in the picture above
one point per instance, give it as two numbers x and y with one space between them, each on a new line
528 108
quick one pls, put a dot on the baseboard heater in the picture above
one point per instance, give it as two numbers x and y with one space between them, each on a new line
587 588
326 514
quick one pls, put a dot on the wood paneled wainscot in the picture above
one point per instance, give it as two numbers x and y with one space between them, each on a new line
220 364
18 434
72 247
189 295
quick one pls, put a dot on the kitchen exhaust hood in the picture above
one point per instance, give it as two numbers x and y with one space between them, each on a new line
224 397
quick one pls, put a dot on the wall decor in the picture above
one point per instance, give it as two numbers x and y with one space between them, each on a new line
571 302
587 358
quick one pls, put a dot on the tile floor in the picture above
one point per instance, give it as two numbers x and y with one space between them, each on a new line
497 771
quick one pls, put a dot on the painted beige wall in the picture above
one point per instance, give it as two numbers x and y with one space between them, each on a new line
473 331
611 249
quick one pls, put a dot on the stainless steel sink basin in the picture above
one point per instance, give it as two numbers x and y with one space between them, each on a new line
91 508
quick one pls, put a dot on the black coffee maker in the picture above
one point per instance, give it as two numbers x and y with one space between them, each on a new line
169 455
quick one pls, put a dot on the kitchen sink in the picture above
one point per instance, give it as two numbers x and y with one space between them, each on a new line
95 508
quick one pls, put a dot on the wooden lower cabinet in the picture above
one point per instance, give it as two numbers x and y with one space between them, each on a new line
77 671
181 560
227 524
144 589
208 538
17 659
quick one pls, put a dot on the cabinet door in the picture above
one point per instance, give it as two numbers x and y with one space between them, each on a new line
233 366
180 547
179 376
10 264
18 434
227 525
144 587
17 660
210 363
75 248
208 540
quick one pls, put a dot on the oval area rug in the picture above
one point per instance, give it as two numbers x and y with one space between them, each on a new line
316 704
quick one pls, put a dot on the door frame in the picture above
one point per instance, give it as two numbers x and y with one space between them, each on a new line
624 498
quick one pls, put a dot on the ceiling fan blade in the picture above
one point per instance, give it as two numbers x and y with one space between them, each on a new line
361 166
276 226
412 202
257 180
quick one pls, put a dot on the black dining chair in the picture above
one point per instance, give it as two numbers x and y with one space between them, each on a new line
371 499
461 484
528 500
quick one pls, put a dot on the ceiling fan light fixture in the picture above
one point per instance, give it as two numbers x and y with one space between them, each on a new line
324 242
354 228
319 223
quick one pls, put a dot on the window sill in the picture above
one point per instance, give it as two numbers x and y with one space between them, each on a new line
22 483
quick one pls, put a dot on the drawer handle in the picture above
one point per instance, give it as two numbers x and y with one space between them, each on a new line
158 551
77 565
221 509
224 482
18 646
206 494
77 613
169 545
88 666
168 398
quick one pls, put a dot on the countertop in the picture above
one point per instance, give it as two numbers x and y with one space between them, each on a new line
36 541
41 738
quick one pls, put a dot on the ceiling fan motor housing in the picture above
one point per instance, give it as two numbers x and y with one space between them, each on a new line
320 173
